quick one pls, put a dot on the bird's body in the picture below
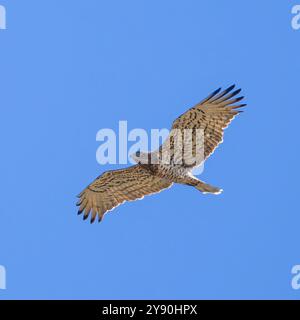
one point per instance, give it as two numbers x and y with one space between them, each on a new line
172 163
173 172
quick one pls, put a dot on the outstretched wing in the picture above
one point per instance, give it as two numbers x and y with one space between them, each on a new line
112 188
209 117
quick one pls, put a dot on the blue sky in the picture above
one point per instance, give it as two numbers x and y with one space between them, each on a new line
70 68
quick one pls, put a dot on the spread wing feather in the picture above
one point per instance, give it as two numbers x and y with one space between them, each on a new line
212 115
115 187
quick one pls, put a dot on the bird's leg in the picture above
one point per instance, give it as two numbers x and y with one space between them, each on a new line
199 185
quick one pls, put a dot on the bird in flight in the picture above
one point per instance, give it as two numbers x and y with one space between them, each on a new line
172 163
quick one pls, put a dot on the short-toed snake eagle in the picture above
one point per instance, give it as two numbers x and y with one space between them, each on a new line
158 170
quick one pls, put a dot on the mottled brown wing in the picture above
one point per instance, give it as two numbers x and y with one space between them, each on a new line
211 116
112 188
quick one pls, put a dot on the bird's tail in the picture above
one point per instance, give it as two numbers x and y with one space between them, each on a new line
207 188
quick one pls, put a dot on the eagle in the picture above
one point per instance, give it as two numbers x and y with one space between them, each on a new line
159 170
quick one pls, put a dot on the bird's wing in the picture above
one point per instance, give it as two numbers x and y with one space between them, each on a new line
209 118
113 188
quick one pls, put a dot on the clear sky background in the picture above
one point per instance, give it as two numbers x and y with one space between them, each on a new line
69 68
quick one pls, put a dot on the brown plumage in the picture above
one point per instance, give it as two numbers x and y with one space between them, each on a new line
152 174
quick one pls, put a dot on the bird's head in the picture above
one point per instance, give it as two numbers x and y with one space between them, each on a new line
141 157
